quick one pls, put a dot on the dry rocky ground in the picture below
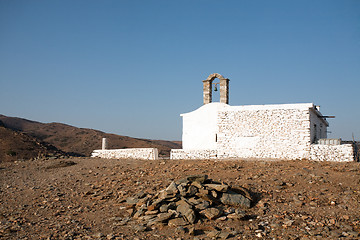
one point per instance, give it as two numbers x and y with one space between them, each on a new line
84 198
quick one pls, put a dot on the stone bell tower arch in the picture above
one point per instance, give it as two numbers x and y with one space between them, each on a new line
224 88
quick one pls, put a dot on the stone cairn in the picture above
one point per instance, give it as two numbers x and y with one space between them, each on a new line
187 201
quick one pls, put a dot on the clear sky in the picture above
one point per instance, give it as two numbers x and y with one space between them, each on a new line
132 67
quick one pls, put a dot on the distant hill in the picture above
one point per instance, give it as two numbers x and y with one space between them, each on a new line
79 141
19 146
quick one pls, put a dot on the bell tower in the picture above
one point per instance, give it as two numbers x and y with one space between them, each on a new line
224 88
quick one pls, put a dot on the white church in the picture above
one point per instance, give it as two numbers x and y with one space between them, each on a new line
217 130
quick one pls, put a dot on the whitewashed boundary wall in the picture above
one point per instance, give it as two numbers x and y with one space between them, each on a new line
128 153
332 153
335 153
179 154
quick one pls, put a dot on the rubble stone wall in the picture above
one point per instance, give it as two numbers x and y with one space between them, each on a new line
264 132
132 153
178 154
337 153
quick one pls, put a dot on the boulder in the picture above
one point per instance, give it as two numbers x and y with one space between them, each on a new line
235 199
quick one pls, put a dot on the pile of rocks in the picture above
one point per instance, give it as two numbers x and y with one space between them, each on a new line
189 200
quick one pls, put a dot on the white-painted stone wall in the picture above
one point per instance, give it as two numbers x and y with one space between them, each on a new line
336 153
128 153
178 154
266 131
200 127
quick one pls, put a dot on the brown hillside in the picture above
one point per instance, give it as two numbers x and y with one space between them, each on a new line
81 141
18 146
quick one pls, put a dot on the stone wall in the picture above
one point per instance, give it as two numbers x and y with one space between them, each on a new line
336 153
178 154
275 132
132 153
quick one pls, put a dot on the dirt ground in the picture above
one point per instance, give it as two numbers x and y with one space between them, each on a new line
83 198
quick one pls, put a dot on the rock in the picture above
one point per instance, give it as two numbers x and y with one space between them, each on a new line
197 184
192 190
214 194
211 213
185 209
241 190
140 212
207 197
140 228
224 235
175 213
151 212
140 194
164 216
166 194
154 205
177 222
229 210
98 235
180 229
288 223
352 234
147 218
132 200
172 206
194 201
172 187
203 205
164 208
182 189
213 234
130 211
197 178
123 222
240 213
235 199
110 236
217 187
237 214
192 231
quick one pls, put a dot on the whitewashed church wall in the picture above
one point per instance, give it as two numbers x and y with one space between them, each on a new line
264 133
128 153
337 153
200 127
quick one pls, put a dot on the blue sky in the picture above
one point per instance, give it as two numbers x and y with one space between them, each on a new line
131 67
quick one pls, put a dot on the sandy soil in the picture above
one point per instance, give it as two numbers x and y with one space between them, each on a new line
47 199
